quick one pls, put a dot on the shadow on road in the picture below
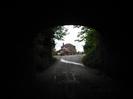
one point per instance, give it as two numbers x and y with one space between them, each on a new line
69 81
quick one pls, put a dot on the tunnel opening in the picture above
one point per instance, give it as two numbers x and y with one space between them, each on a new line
68 40
61 74
105 17
52 82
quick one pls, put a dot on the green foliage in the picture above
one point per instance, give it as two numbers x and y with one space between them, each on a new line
89 36
90 41
59 32
92 56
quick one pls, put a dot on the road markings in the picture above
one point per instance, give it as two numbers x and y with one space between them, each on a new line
70 62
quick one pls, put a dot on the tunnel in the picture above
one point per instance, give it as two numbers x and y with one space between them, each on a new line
107 22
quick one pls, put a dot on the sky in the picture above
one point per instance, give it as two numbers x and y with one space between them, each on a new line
70 38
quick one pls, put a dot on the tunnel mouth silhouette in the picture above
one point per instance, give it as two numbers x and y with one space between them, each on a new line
43 60
45 51
72 75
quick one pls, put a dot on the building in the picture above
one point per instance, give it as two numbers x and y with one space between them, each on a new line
67 49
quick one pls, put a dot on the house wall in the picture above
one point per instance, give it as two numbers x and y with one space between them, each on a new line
68 49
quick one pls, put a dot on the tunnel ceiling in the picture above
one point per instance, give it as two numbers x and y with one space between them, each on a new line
95 14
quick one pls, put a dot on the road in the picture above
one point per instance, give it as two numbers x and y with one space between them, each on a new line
68 78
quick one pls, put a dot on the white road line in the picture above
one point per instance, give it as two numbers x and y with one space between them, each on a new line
70 62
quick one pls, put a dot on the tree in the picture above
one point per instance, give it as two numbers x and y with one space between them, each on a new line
92 48
89 36
59 32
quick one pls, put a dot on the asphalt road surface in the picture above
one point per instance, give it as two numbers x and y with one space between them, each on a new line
68 78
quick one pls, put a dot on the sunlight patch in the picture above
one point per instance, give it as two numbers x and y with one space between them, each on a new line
70 62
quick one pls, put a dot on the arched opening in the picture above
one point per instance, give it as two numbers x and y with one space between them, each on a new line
64 76
78 40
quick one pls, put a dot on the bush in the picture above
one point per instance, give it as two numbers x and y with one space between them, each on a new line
92 59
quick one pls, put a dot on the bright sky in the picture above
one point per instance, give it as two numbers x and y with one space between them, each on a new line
70 37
